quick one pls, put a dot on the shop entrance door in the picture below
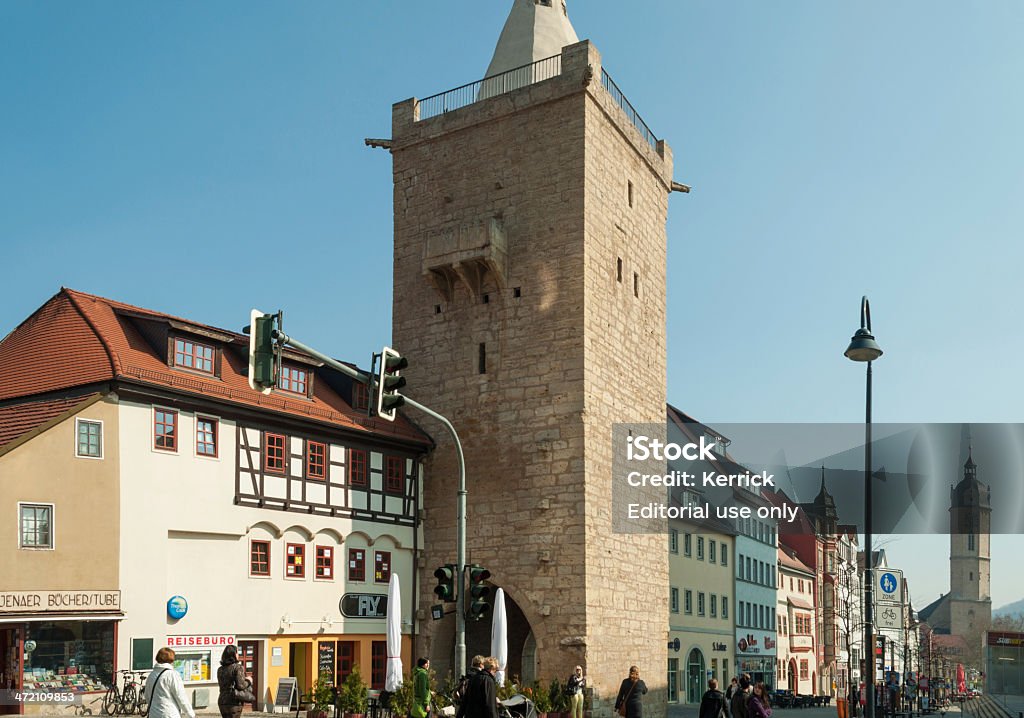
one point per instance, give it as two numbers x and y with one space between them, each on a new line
300 665
11 666
249 655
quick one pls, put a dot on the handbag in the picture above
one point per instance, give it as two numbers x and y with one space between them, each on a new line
622 707
243 696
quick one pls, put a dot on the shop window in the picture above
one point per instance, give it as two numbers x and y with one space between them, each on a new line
193 355
356 467
292 380
273 453
90 438
35 525
295 561
381 566
316 460
206 436
393 479
356 564
378 664
325 562
76 652
259 558
165 430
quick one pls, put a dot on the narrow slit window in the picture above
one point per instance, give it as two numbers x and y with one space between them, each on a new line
636 284
517 292
618 269
629 193
482 359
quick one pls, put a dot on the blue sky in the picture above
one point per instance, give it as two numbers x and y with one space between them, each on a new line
204 158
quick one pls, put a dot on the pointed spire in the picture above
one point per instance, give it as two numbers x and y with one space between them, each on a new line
535 29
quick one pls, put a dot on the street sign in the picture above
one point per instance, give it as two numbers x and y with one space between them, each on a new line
888 585
889 616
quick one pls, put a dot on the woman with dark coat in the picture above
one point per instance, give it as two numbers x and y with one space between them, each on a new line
231 676
629 694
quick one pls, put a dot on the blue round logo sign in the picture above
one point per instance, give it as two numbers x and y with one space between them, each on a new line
177 607
888 583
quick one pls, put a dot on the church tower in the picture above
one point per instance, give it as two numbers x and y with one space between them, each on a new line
969 572
529 299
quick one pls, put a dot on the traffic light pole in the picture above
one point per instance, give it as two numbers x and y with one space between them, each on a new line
460 549
460 595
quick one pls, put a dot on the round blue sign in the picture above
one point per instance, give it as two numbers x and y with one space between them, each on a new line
888 583
177 607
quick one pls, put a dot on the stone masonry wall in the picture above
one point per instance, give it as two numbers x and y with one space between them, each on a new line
574 352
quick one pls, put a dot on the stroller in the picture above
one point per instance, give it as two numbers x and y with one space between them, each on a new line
518 706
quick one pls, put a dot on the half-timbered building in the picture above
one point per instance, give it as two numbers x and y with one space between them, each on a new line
151 498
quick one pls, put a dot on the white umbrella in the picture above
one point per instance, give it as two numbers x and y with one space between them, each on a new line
499 636
393 678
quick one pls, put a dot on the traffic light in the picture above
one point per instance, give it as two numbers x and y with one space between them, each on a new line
389 382
445 589
478 592
264 359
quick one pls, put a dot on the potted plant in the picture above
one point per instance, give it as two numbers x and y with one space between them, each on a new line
401 700
559 700
321 696
541 699
352 695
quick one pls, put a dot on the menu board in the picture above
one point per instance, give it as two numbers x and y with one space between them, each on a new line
326 662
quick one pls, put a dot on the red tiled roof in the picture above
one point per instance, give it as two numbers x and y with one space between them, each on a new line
76 339
789 560
18 420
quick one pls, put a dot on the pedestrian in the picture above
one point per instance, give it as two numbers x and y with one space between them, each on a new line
734 685
738 702
235 688
628 704
712 703
759 706
481 699
461 690
421 689
164 689
574 689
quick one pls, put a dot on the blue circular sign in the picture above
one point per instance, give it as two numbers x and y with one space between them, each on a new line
177 607
888 583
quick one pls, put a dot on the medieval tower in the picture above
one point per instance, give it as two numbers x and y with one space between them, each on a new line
529 299
970 576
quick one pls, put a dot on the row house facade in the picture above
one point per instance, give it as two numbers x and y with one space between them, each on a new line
796 665
158 500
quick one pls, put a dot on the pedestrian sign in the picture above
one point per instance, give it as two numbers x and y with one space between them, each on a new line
888 585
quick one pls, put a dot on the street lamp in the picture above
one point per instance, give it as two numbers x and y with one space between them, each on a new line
864 348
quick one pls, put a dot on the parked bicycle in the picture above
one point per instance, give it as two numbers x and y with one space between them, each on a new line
129 699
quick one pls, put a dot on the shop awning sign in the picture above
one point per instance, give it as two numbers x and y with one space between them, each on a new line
364 605
59 601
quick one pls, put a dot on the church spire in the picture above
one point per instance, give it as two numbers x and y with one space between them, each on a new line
535 29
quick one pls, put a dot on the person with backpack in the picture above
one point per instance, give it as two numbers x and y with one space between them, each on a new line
712 704
738 703
462 687
574 689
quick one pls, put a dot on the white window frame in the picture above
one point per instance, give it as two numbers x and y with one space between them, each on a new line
78 423
53 525
673 599
673 541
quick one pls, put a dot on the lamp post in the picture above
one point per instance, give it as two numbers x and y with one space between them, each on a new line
863 348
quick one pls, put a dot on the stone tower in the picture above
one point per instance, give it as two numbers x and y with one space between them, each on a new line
529 298
969 540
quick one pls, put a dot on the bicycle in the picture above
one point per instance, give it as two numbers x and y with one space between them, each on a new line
124 700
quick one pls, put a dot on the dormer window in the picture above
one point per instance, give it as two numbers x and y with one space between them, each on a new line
293 380
193 355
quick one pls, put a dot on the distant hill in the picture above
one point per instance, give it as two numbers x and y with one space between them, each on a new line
1010 609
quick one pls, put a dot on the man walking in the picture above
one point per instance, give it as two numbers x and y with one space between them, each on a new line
482 693
712 704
